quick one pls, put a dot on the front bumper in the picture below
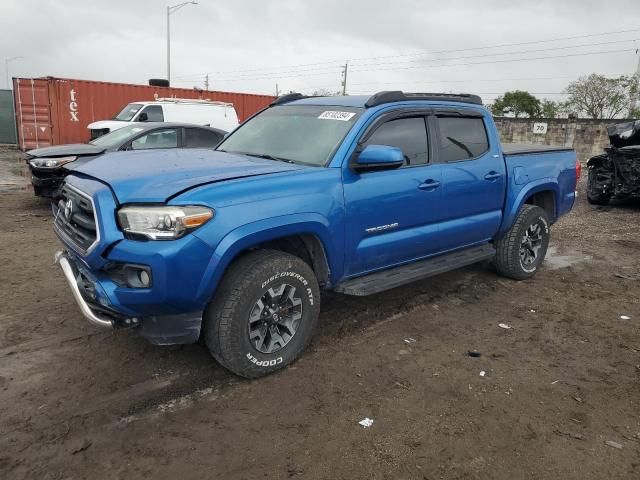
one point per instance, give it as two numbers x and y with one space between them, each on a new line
46 182
168 329
170 310
74 278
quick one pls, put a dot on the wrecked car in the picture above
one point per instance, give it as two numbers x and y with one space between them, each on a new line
616 173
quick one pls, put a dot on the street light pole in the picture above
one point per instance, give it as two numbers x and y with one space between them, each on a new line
169 45
170 10
7 61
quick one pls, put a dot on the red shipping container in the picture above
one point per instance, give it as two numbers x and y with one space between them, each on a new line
53 111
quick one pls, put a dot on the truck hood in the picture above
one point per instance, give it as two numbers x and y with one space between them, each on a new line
78 149
155 176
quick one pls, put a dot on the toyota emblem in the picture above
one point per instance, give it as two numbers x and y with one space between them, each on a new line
68 209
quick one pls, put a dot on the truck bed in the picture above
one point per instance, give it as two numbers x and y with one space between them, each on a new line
531 148
532 167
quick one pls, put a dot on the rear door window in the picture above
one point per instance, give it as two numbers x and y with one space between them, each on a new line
165 138
201 138
462 138
407 134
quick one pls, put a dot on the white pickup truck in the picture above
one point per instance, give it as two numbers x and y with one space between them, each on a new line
219 115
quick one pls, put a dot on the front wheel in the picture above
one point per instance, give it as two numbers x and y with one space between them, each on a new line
521 251
264 313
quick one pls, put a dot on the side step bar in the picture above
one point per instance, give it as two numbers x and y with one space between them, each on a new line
395 277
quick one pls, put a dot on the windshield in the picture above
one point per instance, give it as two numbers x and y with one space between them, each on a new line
117 137
128 112
307 134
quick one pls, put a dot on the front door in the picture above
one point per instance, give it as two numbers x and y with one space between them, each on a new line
393 215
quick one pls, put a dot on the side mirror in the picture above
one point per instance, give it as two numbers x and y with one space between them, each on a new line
378 157
143 117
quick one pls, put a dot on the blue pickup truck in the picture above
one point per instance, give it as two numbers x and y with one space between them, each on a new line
353 194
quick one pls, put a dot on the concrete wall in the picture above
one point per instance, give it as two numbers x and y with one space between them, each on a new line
587 137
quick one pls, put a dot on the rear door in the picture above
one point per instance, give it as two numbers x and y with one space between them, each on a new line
159 138
201 138
392 215
473 176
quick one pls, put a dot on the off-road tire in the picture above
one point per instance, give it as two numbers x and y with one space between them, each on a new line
226 320
595 198
508 261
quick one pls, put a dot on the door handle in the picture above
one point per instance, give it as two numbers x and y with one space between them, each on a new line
492 176
429 185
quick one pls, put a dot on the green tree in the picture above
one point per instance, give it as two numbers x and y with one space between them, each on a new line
597 96
517 103
550 109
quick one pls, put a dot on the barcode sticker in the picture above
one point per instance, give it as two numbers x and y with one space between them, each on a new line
333 115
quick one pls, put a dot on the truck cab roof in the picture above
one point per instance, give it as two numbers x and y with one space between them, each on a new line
367 101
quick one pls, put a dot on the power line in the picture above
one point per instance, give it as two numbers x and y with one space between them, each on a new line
259 69
269 77
488 93
475 80
445 65
494 61
502 45
252 76
295 66
504 53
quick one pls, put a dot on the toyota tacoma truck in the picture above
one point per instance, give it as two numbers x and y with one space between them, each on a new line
353 194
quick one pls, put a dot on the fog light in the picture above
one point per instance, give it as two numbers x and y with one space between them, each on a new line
137 276
130 275
145 279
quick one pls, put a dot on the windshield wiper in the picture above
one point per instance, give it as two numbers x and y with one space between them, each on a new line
265 156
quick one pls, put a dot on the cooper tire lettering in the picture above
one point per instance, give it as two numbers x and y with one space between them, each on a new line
264 363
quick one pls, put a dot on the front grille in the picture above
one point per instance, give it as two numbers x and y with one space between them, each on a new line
75 220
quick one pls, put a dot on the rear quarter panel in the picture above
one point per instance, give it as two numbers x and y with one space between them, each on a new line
531 173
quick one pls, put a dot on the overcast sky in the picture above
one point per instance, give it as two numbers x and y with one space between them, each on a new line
250 45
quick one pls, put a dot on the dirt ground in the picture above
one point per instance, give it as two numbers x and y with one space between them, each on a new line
78 402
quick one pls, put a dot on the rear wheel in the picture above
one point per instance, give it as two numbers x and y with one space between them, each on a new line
264 313
521 251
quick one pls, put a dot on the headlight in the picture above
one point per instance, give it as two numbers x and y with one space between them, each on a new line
51 162
162 222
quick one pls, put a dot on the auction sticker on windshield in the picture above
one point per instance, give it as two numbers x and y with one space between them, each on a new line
333 115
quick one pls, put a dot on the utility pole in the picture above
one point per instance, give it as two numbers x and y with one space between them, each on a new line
345 70
169 45
206 82
170 10
634 95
